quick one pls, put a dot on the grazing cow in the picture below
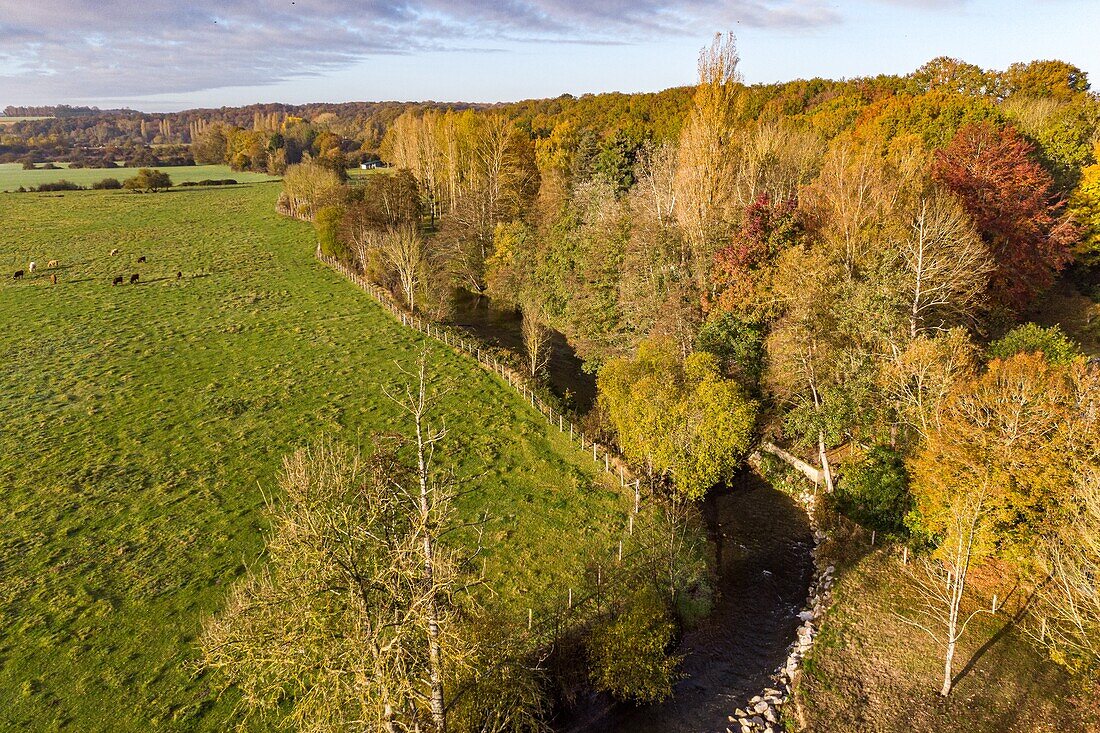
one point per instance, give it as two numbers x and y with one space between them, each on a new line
18 275
133 278
51 264
32 268
141 259
179 275
117 280
114 252
53 279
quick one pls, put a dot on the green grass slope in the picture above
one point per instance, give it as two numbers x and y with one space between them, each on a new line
140 426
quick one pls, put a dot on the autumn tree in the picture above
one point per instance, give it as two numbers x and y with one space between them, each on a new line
1011 200
744 269
920 379
1085 205
308 187
347 627
678 418
991 477
148 180
703 173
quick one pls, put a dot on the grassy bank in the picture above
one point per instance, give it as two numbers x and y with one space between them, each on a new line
142 424
869 671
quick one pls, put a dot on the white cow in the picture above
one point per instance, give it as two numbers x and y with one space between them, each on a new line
33 267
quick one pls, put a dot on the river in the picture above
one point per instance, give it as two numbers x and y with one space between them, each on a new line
763 544
503 327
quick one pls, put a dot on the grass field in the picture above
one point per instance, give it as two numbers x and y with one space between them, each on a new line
12 175
142 424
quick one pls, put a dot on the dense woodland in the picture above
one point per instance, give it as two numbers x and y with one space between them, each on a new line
838 266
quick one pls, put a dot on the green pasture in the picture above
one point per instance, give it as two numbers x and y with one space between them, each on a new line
141 427
12 175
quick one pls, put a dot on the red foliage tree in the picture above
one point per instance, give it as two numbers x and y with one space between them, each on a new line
1012 201
739 271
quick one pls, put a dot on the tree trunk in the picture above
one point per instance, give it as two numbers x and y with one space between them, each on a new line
826 471
435 653
947 673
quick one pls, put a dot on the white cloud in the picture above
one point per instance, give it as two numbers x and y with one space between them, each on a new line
88 49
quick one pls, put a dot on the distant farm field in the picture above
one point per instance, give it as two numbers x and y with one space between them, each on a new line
141 426
12 175
4 121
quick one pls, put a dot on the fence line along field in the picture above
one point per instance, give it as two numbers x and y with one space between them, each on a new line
12 175
142 425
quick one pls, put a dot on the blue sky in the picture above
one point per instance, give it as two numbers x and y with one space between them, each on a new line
164 54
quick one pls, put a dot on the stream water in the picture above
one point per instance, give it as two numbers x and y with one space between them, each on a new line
763 543
502 327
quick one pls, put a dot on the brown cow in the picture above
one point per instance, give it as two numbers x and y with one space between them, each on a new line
179 275
51 264
133 278
53 279
117 281
114 252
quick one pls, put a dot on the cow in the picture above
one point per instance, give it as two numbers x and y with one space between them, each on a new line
141 259
114 252
133 278
179 275
53 279
51 264
18 275
33 266
117 280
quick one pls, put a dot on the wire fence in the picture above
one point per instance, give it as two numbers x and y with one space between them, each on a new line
613 463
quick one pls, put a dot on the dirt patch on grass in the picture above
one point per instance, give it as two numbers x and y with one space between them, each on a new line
869 671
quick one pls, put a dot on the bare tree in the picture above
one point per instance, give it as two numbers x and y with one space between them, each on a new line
433 502
655 190
536 337
946 266
776 159
941 578
403 250
1068 604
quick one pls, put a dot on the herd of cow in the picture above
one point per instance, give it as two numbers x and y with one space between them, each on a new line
119 280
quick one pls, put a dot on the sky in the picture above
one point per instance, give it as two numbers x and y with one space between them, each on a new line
165 55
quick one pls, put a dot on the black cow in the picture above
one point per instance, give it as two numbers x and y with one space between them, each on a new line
141 259
117 281
179 275
133 278
18 275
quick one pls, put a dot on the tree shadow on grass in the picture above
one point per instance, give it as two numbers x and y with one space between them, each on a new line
1008 626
